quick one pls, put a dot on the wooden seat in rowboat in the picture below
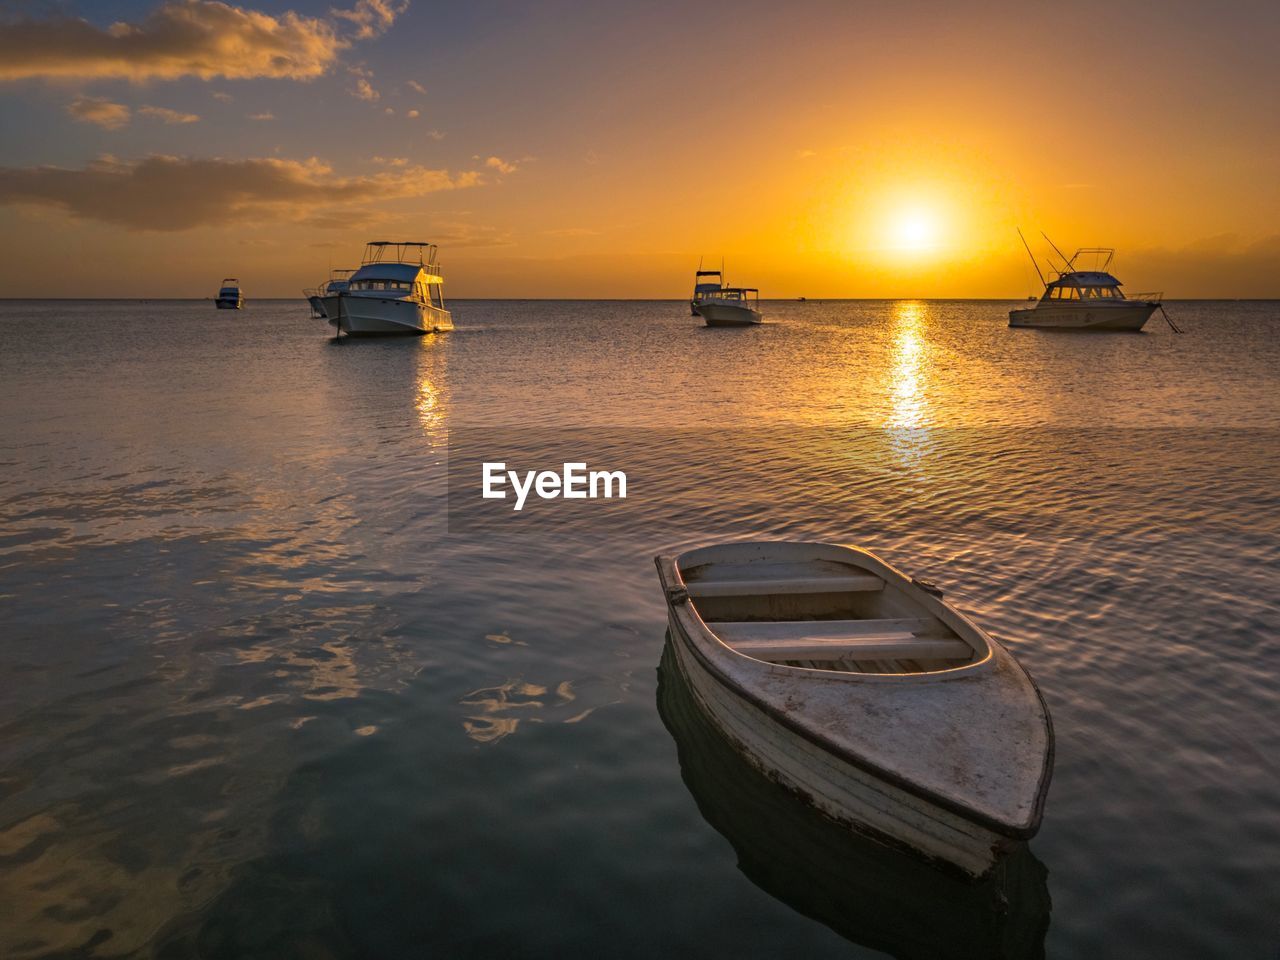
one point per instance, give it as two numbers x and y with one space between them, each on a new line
840 640
851 583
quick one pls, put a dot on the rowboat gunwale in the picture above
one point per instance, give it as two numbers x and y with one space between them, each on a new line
692 629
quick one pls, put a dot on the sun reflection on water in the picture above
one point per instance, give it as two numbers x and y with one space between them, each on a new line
908 417
430 394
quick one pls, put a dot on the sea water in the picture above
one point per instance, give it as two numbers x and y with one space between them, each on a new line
276 680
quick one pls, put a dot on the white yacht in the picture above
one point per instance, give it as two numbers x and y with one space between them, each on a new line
229 297
338 281
730 307
398 289
703 288
1086 299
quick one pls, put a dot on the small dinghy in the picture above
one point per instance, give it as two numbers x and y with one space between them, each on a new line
881 898
866 693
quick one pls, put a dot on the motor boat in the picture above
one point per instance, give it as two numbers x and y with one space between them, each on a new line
730 307
338 281
229 296
1079 299
399 289
705 286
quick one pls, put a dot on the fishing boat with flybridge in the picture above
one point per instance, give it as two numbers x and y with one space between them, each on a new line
229 295
706 283
399 289
1080 297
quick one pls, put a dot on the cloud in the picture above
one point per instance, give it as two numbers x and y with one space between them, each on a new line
180 38
572 232
391 161
220 95
1226 265
435 134
462 234
168 116
364 88
268 115
412 114
99 110
502 166
178 193
113 116
372 17
415 86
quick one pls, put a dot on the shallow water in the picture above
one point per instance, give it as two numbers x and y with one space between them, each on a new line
275 681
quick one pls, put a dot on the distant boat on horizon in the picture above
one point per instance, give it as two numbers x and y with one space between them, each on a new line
229 297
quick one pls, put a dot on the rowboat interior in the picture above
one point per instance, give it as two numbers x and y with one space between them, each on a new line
825 615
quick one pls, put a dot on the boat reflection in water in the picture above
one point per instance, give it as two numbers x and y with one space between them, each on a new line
868 893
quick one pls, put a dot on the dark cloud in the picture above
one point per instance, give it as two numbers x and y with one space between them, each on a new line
201 38
177 193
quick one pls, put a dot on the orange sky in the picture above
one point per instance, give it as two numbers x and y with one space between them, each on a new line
597 150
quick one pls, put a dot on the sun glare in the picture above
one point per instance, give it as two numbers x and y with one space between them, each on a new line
914 231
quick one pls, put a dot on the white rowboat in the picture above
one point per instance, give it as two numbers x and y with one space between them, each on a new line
866 693
884 899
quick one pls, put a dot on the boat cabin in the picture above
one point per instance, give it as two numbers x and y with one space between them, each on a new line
1084 285
741 296
703 287
230 288
339 280
400 270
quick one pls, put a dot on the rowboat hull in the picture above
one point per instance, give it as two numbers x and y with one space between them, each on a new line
843 792
951 764
861 888
1126 315
727 315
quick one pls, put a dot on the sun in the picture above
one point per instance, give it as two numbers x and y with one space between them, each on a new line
914 231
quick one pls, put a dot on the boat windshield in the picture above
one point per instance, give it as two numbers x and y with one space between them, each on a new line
1084 287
